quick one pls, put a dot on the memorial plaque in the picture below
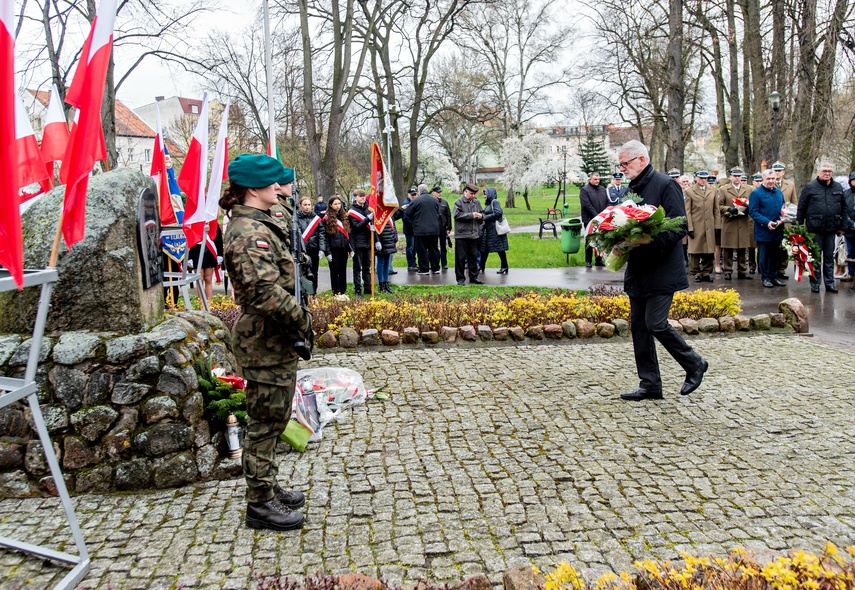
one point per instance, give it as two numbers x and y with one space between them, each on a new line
148 239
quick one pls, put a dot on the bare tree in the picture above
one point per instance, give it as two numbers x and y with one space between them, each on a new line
676 94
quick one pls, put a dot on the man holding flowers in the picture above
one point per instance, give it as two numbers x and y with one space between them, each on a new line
764 206
654 272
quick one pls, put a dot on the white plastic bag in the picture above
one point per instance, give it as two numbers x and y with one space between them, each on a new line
321 395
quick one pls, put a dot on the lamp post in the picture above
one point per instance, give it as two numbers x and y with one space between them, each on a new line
564 181
775 102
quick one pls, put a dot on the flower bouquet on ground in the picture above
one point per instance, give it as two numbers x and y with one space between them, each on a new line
621 228
741 206
801 248
788 213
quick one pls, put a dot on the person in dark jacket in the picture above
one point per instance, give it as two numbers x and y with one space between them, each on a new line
593 198
424 215
401 213
654 272
314 238
337 238
467 214
764 207
822 209
444 227
320 207
387 243
849 234
492 241
361 235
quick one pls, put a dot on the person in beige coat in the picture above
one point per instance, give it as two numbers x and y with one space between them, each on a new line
702 215
737 228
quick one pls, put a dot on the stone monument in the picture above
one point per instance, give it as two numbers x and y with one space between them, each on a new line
100 284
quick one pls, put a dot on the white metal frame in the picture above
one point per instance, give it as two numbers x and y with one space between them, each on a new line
185 278
13 390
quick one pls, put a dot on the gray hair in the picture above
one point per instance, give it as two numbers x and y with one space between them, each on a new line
634 148
423 188
825 163
769 172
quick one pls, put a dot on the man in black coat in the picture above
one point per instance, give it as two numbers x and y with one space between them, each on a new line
424 214
594 198
823 210
654 272
444 226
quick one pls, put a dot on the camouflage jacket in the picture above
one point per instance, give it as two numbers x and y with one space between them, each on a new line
262 273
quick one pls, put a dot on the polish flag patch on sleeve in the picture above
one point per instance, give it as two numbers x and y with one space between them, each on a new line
279 214
262 244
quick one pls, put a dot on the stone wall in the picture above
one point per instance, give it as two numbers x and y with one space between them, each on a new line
124 411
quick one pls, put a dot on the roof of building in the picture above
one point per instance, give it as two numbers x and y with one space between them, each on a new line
187 105
128 124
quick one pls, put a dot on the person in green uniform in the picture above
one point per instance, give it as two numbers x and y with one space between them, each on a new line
262 273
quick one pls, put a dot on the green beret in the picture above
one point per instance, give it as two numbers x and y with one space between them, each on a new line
287 177
255 170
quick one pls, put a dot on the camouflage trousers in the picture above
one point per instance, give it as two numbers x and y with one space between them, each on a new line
269 394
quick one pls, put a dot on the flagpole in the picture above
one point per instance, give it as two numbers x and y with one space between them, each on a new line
268 58
57 238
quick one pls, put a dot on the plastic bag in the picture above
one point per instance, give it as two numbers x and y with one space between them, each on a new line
321 395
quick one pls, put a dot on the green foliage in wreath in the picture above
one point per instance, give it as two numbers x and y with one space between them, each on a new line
221 399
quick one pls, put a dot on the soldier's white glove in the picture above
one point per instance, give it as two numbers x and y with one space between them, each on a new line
329 257
378 247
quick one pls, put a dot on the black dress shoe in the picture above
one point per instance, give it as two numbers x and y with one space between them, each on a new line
475 282
767 283
830 289
641 394
707 279
814 288
778 283
783 276
587 265
393 272
693 379
502 271
697 278
461 283
727 276
744 276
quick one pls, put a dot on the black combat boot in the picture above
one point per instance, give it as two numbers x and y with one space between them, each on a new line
272 515
385 288
357 290
290 499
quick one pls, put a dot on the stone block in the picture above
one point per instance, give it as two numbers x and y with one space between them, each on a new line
410 336
779 320
13 423
727 324
522 577
157 408
585 329
133 475
21 354
144 369
485 332
97 480
605 330
117 446
553 331
8 344
75 347
328 340
125 348
476 582
99 388
743 324
390 337
125 394
206 461
194 408
676 325
569 329
359 582
370 337
35 461
467 333
173 382
348 338
690 326
449 334
430 337
201 433
517 333
228 468
534 332
56 418
500 333
795 314
164 438
708 325
107 255
760 322
91 423
47 485
177 471
69 386
11 455
75 453
15 484
621 327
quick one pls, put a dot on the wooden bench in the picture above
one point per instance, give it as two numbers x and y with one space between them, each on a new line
547 225
552 212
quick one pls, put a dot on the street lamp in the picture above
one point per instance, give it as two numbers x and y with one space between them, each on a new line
775 102
564 181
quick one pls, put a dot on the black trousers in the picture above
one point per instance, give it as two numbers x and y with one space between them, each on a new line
427 252
361 268
466 255
649 322
503 259
443 250
767 259
315 258
338 270
824 273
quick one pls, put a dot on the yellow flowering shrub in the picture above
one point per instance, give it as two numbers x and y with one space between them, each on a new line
705 304
798 570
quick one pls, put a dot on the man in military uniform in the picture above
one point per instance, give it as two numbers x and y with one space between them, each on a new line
702 216
737 229
616 190
788 188
271 321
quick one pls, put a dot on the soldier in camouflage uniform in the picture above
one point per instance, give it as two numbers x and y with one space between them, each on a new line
262 272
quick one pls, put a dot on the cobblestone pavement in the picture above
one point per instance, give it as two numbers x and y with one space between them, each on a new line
491 457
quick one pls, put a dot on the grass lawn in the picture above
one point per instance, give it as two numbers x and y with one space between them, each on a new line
540 200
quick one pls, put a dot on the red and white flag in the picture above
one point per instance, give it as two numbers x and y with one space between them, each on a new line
381 200
11 242
86 144
219 172
158 173
31 168
55 134
192 178
272 148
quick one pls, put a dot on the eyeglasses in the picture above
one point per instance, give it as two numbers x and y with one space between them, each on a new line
628 162
825 171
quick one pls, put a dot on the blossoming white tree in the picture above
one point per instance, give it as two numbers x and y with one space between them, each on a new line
434 168
530 161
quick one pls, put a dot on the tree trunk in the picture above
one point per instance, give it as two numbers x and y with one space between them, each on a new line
802 122
108 116
676 90
525 198
509 200
732 157
761 140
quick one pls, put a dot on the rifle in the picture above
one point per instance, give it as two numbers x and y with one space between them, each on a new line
301 346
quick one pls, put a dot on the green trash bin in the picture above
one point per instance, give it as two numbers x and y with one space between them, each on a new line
571 235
